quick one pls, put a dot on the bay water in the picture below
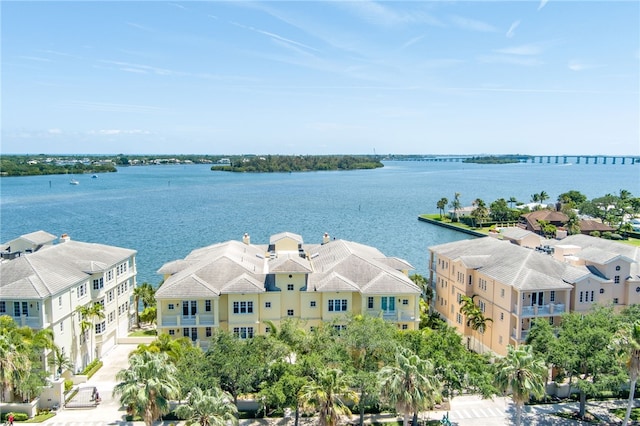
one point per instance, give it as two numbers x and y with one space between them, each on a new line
166 211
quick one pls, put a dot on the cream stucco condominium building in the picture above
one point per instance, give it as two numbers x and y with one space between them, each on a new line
42 284
237 286
514 285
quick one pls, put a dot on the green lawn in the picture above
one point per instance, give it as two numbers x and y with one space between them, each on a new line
620 412
40 418
143 333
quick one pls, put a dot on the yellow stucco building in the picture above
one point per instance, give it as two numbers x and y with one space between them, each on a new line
238 286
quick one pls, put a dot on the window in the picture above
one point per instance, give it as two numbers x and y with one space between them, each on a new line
617 267
60 301
25 308
615 300
312 303
592 295
109 275
98 283
552 296
459 318
243 307
580 297
100 328
171 306
172 332
267 304
109 296
405 327
616 279
550 320
112 316
470 280
482 306
369 302
185 332
243 332
602 290
336 305
339 328
502 292
82 290
501 316
207 305
3 307
290 312
405 301
61 327
290 287
207 331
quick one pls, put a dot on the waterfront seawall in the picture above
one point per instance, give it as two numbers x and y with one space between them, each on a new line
452 227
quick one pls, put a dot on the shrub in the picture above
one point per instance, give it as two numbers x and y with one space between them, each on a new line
92 368
19 417
68 384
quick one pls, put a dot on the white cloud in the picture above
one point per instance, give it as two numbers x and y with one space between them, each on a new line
542 4
522 50
413 41
472 24
381 15
512 29
54 131
575 65
140 27
35 58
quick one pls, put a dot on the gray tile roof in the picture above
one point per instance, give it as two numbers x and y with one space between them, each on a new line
277 237
39 237
56 268
520 267
235 267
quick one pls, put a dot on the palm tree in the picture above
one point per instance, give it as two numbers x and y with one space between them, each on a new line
512 200
213 407
441 204
573 223
327 393
410 385
164 343
474 315
522 373
88 315
535 198
480 213
543 196
138 294
148 384
628 346
60 361
455 205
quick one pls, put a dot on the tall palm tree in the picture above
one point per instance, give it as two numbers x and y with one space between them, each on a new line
148 384
521 373
88 315
628 346
213 407
327 394
480 214
409 385
442 204
512 200
456 205
543 196
60 361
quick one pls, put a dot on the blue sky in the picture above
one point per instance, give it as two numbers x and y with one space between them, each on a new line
303 77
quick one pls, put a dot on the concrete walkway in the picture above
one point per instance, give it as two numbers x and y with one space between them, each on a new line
467 410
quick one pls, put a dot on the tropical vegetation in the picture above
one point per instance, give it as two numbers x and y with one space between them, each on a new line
299 163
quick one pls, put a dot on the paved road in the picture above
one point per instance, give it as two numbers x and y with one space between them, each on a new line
465 410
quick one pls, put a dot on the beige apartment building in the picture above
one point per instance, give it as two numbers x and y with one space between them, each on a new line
238 286
514 285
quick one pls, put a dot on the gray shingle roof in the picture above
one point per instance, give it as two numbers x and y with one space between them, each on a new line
56 268
517 266
235 267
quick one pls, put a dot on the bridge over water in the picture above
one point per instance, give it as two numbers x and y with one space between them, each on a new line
550 159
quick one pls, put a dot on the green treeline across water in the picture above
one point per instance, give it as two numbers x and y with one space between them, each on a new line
298 163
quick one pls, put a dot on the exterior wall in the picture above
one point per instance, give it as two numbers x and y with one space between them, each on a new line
290 286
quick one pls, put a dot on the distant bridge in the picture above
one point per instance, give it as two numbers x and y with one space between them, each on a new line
555 159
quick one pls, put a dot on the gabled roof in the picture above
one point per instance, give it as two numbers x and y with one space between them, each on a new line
235 267
56 268
277 237
520 267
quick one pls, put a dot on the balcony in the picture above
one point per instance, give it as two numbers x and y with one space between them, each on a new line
541 310
523 335
179 320
402 316
32 322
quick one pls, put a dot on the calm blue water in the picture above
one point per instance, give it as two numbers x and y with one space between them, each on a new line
164 212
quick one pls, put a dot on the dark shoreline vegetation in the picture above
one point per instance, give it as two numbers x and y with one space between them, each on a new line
298 163
42 164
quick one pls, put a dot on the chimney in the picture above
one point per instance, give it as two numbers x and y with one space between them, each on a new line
64 238
246 239
325 238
